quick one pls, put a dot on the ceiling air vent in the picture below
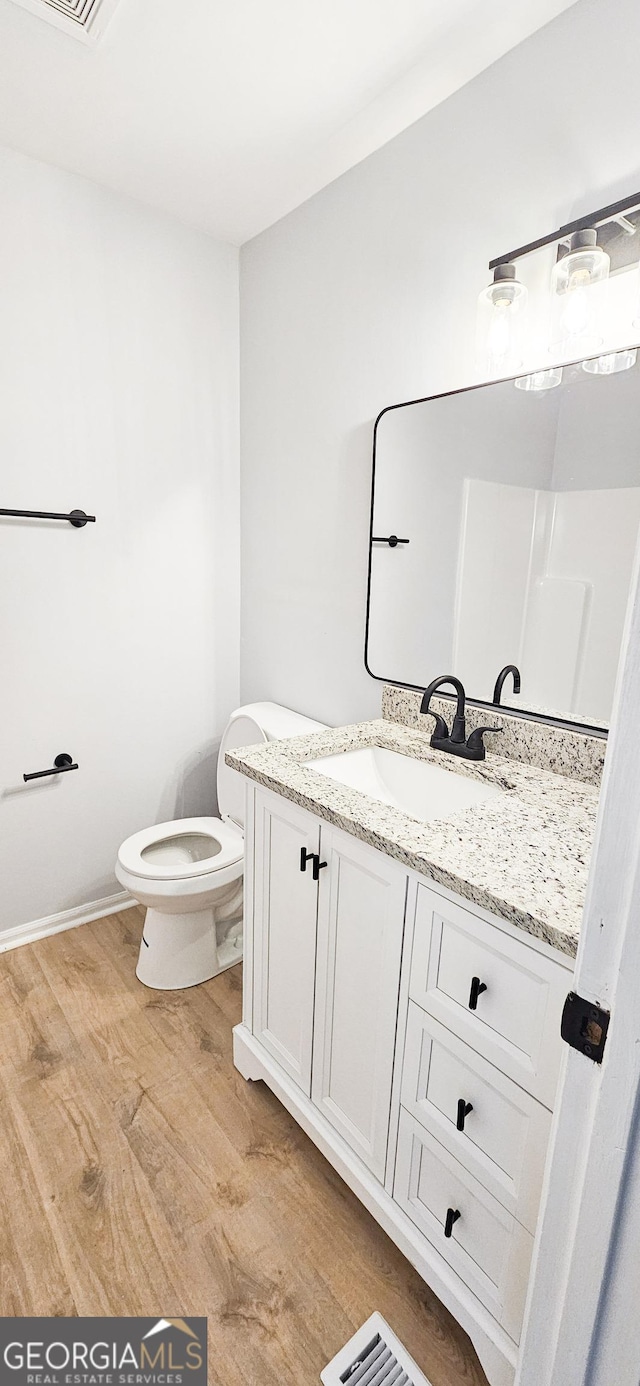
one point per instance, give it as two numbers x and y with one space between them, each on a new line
83 19
373 1357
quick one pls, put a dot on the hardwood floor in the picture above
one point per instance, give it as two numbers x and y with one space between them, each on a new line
142 1175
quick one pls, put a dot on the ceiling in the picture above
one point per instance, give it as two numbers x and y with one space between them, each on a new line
229 113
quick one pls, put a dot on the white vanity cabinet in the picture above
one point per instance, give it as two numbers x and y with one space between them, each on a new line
416 1039
284 934
327 944
361 911
479 1073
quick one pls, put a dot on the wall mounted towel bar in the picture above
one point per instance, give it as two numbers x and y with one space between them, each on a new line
391 539
77 518
61 764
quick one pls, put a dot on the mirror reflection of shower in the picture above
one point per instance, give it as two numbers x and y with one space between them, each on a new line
523 510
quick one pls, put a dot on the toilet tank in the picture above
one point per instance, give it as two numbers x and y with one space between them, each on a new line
252 725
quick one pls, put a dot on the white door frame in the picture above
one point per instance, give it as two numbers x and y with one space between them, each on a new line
582 1325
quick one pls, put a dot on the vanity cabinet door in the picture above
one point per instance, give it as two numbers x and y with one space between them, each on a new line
361 914
285 914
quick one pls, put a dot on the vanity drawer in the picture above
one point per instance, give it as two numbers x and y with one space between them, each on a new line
515 1021
505 1135
488 1249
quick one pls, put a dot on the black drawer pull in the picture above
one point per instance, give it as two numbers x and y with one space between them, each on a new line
452 1217
477 988
305 856
463 1111
318 866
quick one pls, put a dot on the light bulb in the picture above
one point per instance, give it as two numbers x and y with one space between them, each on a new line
501 309
574 317
499 338
636 311
578 287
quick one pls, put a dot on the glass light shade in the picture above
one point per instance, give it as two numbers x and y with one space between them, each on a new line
578 295
612 362
636 310
501 321
540 380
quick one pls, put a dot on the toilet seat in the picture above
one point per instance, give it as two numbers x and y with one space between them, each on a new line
188 873
178 851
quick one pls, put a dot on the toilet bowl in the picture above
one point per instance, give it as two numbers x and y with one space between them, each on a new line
188 873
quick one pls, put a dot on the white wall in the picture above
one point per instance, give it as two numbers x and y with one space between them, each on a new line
366 295
119 641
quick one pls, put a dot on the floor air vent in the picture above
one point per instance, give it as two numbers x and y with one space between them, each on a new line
84 19
373 1357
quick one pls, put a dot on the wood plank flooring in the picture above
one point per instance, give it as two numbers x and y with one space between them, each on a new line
142 1175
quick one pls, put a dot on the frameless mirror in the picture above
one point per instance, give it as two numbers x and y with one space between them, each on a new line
516 512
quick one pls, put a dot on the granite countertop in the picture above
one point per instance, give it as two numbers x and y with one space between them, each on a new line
523 856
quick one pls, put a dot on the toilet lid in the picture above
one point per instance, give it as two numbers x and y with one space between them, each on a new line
181 849
241 731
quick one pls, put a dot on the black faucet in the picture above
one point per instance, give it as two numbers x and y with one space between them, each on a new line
455 742
504 674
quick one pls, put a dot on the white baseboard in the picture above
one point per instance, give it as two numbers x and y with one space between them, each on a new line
67 919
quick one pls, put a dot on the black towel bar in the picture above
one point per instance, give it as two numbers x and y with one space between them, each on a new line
77 518
61 764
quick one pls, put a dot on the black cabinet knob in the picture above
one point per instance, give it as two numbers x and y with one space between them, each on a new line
318 866
305 856
477 988
452 1217
463 1111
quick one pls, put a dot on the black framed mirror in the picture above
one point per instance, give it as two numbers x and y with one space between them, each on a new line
504 528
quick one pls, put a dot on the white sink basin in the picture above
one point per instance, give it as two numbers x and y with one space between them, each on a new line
422 790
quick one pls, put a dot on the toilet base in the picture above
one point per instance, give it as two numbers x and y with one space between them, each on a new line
182 950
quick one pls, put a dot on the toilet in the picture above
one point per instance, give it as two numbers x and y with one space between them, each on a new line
189 872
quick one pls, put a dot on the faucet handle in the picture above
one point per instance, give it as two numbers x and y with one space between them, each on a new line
476 743
441 730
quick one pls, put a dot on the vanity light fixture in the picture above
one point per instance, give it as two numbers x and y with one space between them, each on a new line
577 287
540 380
587 249
612 362
501 311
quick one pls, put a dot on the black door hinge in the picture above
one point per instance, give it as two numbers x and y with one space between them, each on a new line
584 1026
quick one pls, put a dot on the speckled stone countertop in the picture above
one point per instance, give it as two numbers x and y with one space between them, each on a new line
564 750
523 856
